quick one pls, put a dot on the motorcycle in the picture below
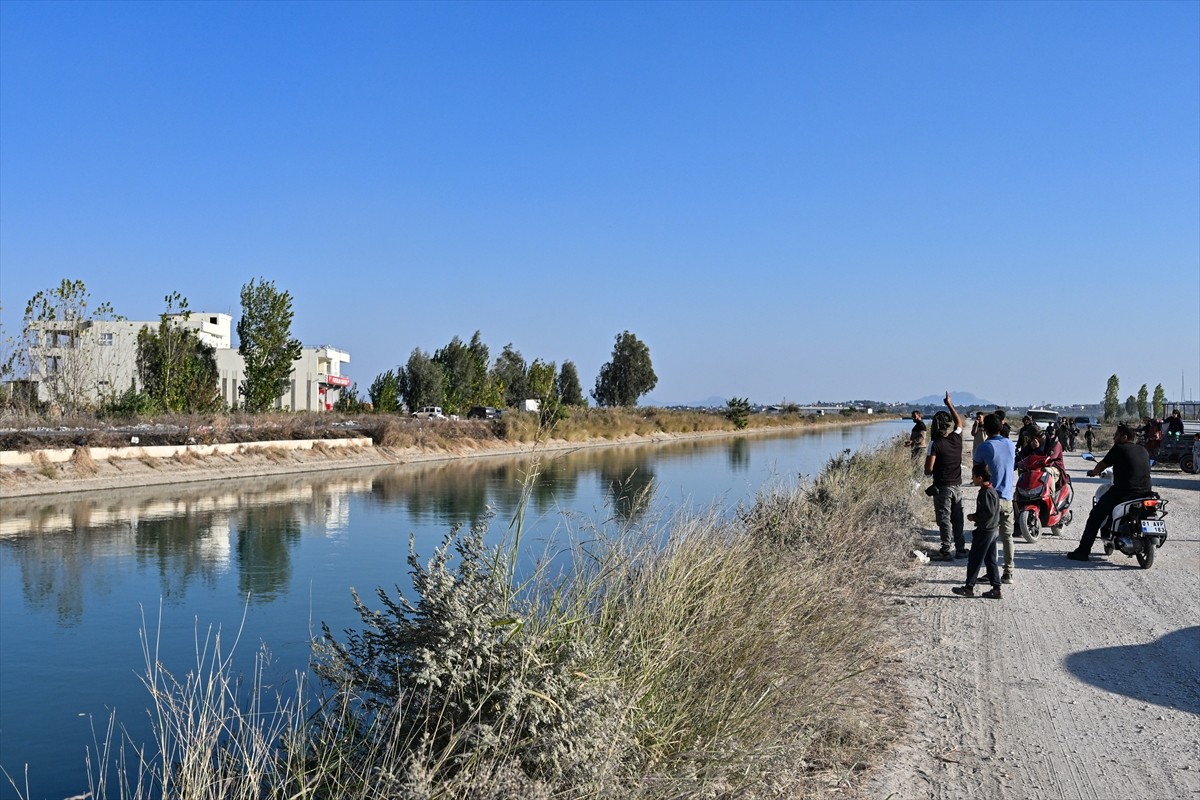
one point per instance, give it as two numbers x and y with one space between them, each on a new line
1135 527
1035 504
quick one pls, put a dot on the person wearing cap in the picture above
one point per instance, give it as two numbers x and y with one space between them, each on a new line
944 463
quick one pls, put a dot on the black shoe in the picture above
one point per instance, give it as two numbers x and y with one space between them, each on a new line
1078 555
994 594
944 555
1006 577
961 553
963 591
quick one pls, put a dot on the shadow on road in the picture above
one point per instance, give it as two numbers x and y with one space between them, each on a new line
1162 672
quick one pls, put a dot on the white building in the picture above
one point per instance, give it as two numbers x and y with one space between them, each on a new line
86 363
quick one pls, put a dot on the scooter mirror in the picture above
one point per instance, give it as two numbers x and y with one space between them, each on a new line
1087 457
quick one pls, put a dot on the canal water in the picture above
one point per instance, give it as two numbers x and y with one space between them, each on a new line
83 578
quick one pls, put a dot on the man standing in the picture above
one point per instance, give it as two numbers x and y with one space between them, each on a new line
1005 428
999 454
1131 479
944 463
1089 438
916 439
978 435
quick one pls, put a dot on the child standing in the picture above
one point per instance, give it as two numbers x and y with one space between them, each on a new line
983 540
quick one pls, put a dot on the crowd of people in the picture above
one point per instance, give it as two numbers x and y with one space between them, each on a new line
938 448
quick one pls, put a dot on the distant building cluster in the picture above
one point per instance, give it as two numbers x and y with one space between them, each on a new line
97 359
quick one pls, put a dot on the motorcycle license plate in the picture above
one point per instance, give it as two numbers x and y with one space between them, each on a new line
1155 526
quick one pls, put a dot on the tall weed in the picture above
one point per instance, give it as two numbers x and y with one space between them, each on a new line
712 657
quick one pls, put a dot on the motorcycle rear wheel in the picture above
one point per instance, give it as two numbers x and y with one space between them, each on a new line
1145 556
1029 526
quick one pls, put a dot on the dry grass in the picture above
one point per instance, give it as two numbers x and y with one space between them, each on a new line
82 460
187 458
274 454
43 465
710 657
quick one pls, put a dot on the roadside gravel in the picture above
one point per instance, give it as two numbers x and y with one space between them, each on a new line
1083 682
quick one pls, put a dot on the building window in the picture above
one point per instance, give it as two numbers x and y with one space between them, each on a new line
52 365
106 340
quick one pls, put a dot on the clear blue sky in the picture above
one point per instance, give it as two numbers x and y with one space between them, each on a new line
782 200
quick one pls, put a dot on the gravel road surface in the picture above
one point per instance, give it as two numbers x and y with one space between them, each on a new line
1083 682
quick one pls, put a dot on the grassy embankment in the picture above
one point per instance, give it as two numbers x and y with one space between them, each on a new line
704 657
22 431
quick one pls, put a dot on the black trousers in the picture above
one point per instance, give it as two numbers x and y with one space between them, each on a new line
983 552
1104 506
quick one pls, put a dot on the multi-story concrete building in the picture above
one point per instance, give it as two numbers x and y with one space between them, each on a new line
85 363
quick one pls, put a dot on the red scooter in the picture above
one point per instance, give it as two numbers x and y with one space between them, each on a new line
1034 505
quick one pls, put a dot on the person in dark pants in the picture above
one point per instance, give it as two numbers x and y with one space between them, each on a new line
1130 464
944 463
916 439
998 453
1089 438
983 540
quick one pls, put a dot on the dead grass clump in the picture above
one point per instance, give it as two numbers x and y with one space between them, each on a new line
393 433
275 454
149 461
82 460
188 458
43 465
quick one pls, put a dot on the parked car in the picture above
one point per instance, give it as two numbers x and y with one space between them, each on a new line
1083 422
430 412
483 412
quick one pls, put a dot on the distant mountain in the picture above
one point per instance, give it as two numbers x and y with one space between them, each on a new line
963 399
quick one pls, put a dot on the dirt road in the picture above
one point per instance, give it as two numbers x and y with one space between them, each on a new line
1083 682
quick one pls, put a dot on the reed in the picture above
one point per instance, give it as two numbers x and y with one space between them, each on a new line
82 461
701 656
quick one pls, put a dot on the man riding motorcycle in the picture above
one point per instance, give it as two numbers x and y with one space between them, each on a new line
1130 464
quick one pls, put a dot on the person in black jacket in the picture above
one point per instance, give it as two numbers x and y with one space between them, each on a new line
1130 463
944 464
983 540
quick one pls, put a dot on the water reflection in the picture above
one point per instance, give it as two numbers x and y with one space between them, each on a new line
739 454
191 535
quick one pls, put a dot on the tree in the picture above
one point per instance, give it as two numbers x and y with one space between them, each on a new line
737 411
421 381
570 393
177 370
58 346
1112 399
385 392
628 376
510 373
265 343
1143 406
1130 405
1160 401
465 370
543 380
543 385
348 401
